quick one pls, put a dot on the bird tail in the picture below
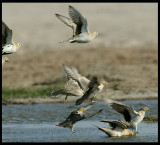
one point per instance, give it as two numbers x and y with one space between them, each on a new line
106 130
70 39
72 106
57 124
56 93
83 98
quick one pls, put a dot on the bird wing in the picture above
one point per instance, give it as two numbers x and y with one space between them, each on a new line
127 111
115 124
75 116
79 20
91 115
92 90
72 87
6 34
88 106
68 22
83 98
73 73
71 115
93 83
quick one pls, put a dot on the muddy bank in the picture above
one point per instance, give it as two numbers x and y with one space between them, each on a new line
61 99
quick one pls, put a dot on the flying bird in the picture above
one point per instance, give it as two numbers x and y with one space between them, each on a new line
130 115
79 25
8 46
119 128
75 116
72 87
78 85
94 87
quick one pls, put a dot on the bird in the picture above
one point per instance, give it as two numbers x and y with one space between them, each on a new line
72 87
77 84
119 128
79 25
5 59
75 116
130 115
74 75
8 46
94 87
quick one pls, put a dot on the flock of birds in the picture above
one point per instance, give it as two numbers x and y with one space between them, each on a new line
78 85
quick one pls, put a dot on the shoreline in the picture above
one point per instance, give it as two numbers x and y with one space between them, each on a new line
46 100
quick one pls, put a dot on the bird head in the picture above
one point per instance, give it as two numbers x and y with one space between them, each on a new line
6 59
95 33
18 44
131 133
104 83
144 109
81 109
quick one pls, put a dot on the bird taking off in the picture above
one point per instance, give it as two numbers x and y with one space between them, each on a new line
130 115
75 116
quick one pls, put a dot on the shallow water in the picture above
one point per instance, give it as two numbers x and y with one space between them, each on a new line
34 123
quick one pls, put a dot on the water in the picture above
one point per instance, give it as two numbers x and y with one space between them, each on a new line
34 123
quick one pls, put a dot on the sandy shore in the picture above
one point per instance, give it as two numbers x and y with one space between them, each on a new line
125 53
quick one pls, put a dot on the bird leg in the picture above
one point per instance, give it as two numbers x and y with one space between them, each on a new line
72 129
66 97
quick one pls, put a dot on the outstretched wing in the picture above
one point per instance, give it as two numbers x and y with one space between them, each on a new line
6 34
91 115
68 22
73 74
127 111
114 124
72 87
79 20
93 83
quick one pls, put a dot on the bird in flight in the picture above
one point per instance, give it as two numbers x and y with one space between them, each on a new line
8 45
79 25
75 116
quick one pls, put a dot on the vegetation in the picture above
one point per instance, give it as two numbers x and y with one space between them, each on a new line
150 117
20 92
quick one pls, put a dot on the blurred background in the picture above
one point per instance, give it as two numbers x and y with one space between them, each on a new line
125 53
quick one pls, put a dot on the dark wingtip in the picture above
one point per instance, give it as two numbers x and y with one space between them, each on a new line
57 15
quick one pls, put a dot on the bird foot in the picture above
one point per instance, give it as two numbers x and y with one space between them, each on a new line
73 130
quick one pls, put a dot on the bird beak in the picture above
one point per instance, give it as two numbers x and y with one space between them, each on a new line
131 133
19 45
145 109
81 109
87 107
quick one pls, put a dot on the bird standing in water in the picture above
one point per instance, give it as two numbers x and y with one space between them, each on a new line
119 128
131 116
